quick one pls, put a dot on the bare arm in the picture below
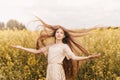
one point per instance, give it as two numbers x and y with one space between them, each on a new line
35 51
85 58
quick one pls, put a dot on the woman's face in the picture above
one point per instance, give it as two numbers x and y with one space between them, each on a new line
59 34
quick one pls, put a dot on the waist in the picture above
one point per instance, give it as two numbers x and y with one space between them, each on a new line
55 63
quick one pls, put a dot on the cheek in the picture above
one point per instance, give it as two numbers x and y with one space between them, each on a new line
63 35
56 35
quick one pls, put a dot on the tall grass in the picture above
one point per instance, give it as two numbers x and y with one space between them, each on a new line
17 64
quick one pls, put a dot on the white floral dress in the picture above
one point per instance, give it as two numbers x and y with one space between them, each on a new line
56 54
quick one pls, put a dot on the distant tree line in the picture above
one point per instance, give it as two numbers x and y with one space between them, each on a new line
12 25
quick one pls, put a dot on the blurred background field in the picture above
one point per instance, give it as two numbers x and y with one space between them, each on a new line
17 64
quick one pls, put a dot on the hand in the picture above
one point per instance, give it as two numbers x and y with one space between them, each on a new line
17 46
94 56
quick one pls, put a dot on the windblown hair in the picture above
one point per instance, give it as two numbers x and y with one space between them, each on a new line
70 35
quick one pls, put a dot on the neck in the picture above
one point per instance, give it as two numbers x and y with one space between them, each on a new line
58 41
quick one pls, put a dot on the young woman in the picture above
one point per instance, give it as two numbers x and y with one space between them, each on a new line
60 53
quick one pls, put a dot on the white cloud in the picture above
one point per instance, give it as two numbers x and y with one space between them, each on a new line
70 13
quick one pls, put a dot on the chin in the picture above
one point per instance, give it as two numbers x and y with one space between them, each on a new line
59 38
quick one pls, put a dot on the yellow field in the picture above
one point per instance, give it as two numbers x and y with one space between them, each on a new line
20 65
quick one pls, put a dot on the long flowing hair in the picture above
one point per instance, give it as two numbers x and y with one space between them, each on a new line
70 35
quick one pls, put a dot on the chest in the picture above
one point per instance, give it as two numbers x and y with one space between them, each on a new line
56 50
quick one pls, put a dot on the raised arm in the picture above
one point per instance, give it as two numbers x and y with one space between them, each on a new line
70 55
35 51
85 58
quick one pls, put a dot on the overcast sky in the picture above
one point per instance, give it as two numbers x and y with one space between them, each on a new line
68 13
